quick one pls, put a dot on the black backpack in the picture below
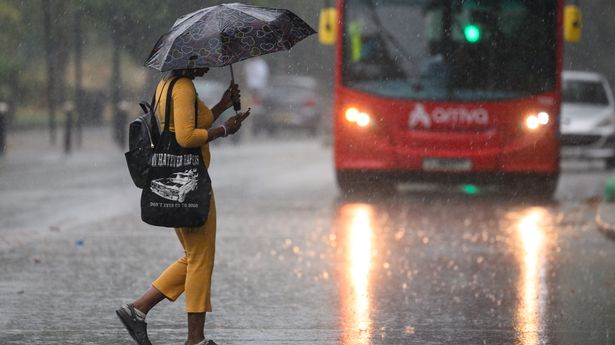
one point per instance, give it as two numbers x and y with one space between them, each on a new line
143 135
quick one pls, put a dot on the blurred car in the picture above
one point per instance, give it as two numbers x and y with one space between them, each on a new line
289 102
210 91
588 117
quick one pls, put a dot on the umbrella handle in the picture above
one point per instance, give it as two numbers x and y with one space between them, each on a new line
236 105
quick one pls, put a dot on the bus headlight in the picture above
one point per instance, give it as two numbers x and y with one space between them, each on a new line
534 121
353 115
543 118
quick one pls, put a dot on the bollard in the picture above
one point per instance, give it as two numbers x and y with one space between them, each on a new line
4 109
609 190
121 124
69 109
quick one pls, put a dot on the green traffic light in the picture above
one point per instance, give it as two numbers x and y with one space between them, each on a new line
472 33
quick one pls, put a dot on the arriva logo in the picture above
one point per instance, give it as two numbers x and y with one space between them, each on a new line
447 116
419 116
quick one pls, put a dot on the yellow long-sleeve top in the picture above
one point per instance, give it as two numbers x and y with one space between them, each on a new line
182 115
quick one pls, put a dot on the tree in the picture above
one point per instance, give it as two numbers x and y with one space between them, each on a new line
11 28
57 51
128 24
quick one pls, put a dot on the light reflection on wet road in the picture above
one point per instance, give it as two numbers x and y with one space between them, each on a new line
296 263
356 237
445 268
534 241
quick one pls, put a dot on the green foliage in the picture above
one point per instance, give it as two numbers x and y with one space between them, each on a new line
11 26
134 21
141 23
137 23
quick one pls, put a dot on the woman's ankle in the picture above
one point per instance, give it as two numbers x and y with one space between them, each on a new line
140 313
195 342
196 328
148 300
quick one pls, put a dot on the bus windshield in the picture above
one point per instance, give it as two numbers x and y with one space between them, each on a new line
464 50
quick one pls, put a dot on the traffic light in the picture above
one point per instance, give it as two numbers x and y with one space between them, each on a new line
472 33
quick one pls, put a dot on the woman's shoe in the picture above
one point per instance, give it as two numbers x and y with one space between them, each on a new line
135 325
204 342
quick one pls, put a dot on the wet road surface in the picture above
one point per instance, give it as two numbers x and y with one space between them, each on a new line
298 264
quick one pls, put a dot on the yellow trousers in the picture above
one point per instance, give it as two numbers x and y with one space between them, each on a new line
192 273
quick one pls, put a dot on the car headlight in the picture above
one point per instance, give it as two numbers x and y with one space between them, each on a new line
608 122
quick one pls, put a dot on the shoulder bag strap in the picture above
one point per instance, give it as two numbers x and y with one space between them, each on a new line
167 110
196 109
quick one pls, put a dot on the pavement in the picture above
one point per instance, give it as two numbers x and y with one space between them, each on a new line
73 247
605 218
295 262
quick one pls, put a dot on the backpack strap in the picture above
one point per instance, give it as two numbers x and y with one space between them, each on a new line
154 105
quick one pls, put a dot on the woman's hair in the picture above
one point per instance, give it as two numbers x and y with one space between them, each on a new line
188 73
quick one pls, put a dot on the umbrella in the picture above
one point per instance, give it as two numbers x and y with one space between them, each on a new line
222 35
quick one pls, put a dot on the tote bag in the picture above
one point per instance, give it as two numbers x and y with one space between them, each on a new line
177 192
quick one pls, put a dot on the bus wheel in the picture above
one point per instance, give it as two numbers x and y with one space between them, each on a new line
364 184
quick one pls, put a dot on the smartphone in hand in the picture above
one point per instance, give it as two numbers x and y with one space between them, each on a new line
245 115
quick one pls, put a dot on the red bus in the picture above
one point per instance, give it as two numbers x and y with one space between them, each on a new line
463 91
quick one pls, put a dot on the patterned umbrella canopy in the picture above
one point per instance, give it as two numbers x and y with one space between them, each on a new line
221 35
